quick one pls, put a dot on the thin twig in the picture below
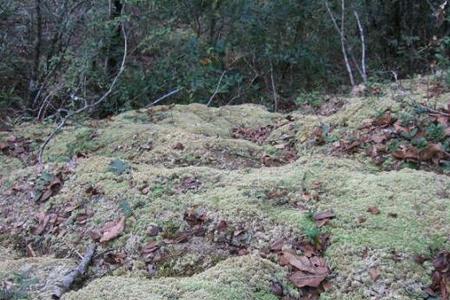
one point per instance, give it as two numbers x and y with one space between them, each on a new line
217 89
274 89
176 91
88 106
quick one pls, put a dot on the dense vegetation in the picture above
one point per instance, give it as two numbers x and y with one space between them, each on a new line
56 56
224 149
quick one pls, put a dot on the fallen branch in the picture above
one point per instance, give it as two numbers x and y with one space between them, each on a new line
87 106
70 278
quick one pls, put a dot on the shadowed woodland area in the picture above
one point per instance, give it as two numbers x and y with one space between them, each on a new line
224 149
58 54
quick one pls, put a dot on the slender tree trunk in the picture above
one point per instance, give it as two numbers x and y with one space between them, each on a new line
34 78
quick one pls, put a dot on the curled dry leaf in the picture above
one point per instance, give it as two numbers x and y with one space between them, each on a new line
323 218
112 230
258 135
277 246
433 152
314 265
384 120
374 210
324 215
374 273
301 279
178 146
43 221
441 275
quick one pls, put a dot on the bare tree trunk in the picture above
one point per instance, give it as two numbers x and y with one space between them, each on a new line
341 33
363 48
34 78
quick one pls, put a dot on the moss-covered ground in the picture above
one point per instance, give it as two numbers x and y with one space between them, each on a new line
153 166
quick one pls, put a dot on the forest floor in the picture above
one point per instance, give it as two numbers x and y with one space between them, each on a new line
349 200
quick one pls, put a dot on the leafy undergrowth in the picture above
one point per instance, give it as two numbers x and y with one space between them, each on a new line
190 202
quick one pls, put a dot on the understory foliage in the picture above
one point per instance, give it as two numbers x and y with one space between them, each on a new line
62 55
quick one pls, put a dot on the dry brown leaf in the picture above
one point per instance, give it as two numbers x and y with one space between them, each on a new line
113 230
407 153
178 146
384 121
43 221
374 210
375 273
277 245
433 152
314 265
302 279
151 247
325 215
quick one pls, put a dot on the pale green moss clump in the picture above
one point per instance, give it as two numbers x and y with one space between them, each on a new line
241 278
225 177
34 278
9 164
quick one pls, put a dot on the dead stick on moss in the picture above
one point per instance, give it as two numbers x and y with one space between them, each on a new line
88 106
66 284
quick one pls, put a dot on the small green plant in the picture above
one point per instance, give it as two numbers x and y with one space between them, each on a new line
118 167
271 150
126 208
170 229
83 144
312 232
41 184
313 98
410 134
263 295
393 145
420 143
158 191
406 118
437 243
435 132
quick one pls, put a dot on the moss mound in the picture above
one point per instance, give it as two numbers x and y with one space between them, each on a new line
172 169
245 277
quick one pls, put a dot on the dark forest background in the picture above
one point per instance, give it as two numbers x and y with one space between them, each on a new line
59 55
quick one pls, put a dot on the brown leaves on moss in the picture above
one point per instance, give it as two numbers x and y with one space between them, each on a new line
309 270
46 186
257 136
112 230
306 271
441 276
419 140
189 184
374 210
284 151
375 273
322 218
19 148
